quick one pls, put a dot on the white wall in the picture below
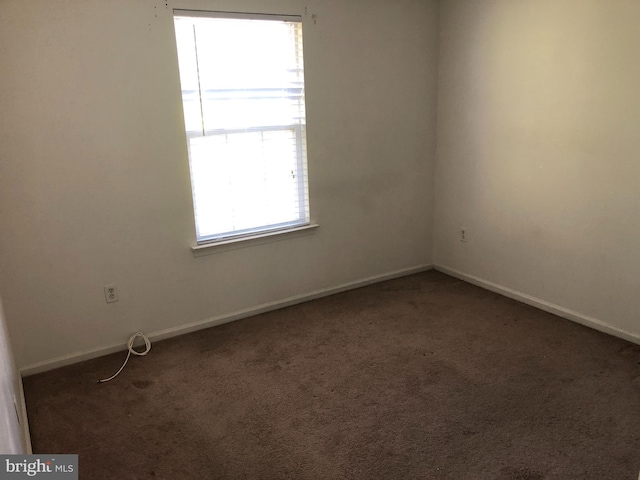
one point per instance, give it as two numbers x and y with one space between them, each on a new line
12 437
539 151
94 181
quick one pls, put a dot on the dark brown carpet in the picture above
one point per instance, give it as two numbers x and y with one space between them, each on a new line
423 377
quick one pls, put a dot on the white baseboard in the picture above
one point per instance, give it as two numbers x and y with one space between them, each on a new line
76 357
542 305
22 417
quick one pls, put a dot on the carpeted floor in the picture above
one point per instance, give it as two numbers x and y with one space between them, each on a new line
423 377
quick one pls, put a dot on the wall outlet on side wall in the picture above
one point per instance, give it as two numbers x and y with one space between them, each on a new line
111 293
463 234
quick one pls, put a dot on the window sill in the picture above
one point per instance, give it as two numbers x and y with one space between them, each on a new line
236 243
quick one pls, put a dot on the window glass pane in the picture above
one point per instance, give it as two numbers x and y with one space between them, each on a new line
253 171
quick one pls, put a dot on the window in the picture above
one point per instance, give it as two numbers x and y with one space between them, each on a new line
242 85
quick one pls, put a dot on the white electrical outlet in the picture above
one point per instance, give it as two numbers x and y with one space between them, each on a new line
463 234
111 293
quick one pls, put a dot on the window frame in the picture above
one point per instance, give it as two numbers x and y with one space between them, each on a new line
269 232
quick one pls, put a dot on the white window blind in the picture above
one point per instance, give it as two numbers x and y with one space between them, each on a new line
242 83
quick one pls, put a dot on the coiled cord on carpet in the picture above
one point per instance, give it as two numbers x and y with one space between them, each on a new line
130 342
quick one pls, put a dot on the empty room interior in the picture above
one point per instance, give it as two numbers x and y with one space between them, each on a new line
457 296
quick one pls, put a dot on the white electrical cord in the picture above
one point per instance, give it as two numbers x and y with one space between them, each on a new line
132 339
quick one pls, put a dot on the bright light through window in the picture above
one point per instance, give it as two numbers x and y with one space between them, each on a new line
242 85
